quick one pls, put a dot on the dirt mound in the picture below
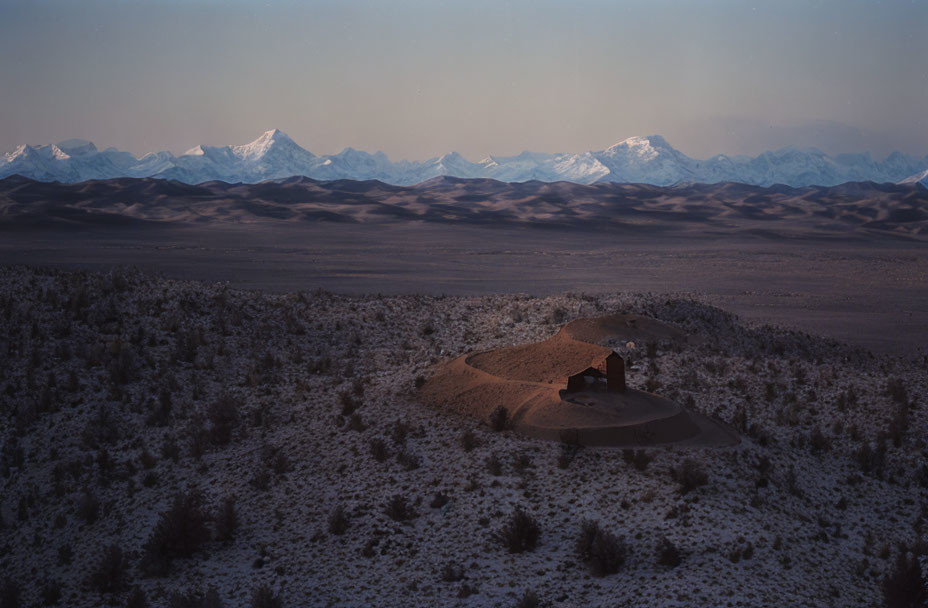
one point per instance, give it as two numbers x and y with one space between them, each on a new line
547 362
531 381
625 328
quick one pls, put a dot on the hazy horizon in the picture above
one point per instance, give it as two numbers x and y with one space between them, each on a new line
418 79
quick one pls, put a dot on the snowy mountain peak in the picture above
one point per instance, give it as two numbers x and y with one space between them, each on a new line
59 154
269 140
919 178
274 155
18 152
646 143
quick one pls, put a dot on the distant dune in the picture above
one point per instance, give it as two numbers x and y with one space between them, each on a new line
855 210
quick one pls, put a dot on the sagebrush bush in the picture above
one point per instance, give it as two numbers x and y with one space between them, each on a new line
110 573
398 509
640 459
668 554
223 416
452 572
468 440
226 520
88 508
494 465
904 586
264 597
180 532
601 550
520 532
50 592
499 419
338 521
10 593
408 460
379 449
689 475
528 599
137 599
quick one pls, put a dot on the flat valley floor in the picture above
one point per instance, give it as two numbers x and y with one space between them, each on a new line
872 293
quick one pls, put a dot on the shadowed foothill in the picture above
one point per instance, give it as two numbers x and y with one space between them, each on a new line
571 387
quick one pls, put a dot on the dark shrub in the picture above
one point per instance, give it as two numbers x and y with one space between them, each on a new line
520 532
10 593
275 459
494 465
137 599
159 412
522 462
379 449
65 555
398 509
185 599
872 461
226 520
50 592
198 435
640 459
223 417
338 521
689 475
356 423
194 599
904 587
529 599
452 572
895 387
439 501
467 590
348 404
566 455
407 460
468 440
180 532
651 349
668 554
818 442
499 419
601 550
88 508
101 429
398 432
111 572
264 597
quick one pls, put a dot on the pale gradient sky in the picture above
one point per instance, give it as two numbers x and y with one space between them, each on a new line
420 78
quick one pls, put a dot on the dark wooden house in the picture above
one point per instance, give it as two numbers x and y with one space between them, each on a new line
611 368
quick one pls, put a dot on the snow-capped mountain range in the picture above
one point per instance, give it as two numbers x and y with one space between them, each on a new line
647 160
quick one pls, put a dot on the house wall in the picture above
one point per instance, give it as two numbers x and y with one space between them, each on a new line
615 373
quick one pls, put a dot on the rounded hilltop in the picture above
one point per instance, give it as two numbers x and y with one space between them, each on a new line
571 387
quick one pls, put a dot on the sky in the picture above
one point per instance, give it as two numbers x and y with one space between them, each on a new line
419 78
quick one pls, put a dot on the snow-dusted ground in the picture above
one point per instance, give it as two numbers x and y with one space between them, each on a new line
790 517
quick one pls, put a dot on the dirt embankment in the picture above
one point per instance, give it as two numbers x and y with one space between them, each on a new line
530 382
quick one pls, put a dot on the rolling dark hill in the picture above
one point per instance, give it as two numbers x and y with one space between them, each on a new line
851 210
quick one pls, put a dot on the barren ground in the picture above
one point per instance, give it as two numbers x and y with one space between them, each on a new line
869 293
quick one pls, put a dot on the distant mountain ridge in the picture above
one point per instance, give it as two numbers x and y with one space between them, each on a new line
274 155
